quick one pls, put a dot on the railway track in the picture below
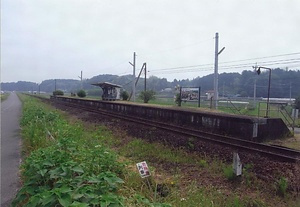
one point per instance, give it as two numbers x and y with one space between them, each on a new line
274 152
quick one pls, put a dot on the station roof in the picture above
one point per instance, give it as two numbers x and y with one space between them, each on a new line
106 85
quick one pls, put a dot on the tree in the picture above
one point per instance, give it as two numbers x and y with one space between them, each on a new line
124 95
58 93
178 99
147 95
81 94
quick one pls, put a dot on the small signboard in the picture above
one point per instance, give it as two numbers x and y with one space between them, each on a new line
143 169
189 94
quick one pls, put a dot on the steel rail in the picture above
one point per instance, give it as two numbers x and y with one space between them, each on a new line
280 153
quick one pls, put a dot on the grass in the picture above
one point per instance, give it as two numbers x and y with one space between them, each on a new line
66 165
282 185
228 172
4 96
243 109
80 151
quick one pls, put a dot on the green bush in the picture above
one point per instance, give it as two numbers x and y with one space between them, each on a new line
58 93
228 172
81 94
282 185
124 95
178 99
147 95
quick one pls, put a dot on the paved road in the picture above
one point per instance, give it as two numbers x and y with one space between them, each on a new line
10 148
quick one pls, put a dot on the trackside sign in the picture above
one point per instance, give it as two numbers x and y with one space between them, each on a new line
143 169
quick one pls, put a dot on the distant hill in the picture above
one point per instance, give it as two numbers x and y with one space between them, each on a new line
19 86
46 86
283 82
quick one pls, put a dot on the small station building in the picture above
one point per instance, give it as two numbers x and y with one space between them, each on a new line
111 92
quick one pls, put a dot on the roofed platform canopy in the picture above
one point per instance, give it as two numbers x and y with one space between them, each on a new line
111 91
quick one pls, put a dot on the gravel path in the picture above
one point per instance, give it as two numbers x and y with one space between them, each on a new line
10 148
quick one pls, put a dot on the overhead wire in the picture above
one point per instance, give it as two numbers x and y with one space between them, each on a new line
206 67
245 64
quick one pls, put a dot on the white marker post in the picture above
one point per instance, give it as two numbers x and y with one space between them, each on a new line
237 165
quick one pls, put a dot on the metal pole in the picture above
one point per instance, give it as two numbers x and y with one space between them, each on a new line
254 96
268 101
215 102
290 91
180 96
145 87
55 85
81 80
223 90
133 85
199 96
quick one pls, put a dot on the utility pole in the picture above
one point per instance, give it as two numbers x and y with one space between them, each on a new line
254 93
217 53
290 91
80 80
145 87
133 81
55 85
223 90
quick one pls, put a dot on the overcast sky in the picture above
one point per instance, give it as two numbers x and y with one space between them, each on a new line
47 39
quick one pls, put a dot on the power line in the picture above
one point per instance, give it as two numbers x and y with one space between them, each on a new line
205 67
246 64
288 54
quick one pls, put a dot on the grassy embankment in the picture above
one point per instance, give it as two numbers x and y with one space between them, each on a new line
69 163
4 96
67 166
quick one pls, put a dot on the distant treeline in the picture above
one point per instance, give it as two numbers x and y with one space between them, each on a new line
283 82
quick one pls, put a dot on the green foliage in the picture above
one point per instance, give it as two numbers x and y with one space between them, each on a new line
190 143
202 163
58 93
66 173
147 95
81 94
4 96
72 168
177 99
67 170
124 95
282 185
231 82
229 173
247 175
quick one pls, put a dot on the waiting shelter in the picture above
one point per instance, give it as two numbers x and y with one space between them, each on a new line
111 91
